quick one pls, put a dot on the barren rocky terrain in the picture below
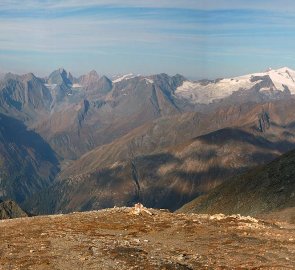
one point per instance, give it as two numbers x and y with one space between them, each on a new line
118 238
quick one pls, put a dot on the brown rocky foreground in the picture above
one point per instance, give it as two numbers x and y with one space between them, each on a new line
123 238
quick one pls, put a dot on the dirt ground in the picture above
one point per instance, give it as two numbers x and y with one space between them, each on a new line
119 239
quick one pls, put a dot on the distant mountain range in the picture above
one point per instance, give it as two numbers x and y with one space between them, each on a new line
91 142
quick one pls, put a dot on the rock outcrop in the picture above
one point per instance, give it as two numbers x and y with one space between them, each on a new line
9 209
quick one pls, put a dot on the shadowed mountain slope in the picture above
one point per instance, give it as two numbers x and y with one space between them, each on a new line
260 191
27 163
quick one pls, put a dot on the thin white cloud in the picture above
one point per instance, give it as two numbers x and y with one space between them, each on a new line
90 33
282 5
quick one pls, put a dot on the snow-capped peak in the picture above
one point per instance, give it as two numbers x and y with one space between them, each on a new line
281 78
200 92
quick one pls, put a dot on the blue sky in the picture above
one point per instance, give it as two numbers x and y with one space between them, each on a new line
199 39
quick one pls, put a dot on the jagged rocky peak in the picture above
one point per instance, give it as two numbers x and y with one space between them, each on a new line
71 78
90 78
93 73
59 77
63 73
93 83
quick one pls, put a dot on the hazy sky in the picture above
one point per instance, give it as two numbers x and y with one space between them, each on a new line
197 38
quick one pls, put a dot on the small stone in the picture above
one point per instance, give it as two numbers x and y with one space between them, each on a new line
180 257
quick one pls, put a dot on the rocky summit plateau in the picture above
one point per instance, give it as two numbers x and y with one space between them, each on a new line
121 238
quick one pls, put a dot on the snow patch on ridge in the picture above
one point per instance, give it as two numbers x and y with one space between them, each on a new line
124 77
76 85
50 86
149 80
